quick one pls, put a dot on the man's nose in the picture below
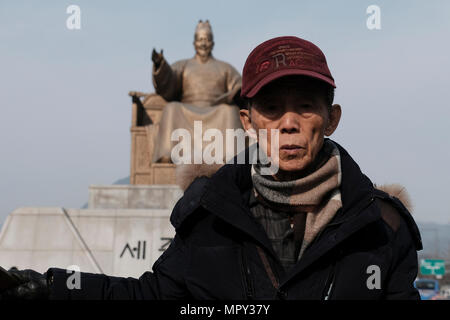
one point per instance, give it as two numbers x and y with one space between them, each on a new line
289 123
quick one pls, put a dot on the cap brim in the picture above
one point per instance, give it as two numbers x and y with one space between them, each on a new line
287 72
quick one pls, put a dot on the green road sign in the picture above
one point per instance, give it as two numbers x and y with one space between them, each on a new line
432 267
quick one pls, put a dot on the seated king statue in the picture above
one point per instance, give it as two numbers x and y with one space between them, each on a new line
198 89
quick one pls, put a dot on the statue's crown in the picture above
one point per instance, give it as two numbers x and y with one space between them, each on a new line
203 26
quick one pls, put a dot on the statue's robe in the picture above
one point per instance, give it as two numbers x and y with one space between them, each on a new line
196 92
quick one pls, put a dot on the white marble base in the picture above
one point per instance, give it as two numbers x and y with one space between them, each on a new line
94 239
133 196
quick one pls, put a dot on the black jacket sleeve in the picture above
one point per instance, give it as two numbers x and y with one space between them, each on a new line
400 284
165 282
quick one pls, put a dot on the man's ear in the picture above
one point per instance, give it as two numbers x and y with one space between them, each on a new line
246 121
335 117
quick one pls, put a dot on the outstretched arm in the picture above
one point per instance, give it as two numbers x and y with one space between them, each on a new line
165 282
167 79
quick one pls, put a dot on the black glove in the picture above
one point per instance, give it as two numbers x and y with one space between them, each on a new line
33 286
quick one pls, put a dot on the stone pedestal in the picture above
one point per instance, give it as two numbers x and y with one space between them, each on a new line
117 242
133 196
122 233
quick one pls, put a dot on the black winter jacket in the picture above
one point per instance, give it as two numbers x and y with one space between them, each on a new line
221 252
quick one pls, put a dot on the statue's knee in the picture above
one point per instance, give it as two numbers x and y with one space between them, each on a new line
154 100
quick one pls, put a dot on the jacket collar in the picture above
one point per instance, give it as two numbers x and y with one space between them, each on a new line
233 182
226 194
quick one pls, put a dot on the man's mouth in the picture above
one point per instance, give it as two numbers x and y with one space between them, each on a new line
290 148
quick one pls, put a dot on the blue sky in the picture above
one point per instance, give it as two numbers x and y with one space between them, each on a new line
66 115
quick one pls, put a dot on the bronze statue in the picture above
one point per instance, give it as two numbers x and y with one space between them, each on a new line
201 88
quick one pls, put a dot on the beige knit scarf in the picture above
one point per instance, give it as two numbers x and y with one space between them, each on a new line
311 201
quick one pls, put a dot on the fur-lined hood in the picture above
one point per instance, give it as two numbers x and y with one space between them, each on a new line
187 173
398 191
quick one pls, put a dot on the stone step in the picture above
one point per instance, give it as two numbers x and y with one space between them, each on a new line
133 196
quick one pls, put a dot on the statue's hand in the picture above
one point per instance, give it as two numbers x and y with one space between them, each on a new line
32 285
157 58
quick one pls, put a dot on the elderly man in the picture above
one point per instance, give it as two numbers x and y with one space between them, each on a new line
315 229
199 89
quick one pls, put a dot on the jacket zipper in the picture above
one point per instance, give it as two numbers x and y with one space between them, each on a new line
328 294
329 284
247 276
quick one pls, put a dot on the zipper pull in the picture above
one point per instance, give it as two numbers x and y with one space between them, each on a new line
328 291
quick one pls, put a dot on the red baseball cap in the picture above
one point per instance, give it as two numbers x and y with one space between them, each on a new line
279 57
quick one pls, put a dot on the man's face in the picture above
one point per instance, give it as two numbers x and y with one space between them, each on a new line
300 114
203 43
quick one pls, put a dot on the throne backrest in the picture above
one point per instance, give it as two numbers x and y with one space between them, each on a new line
146 111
